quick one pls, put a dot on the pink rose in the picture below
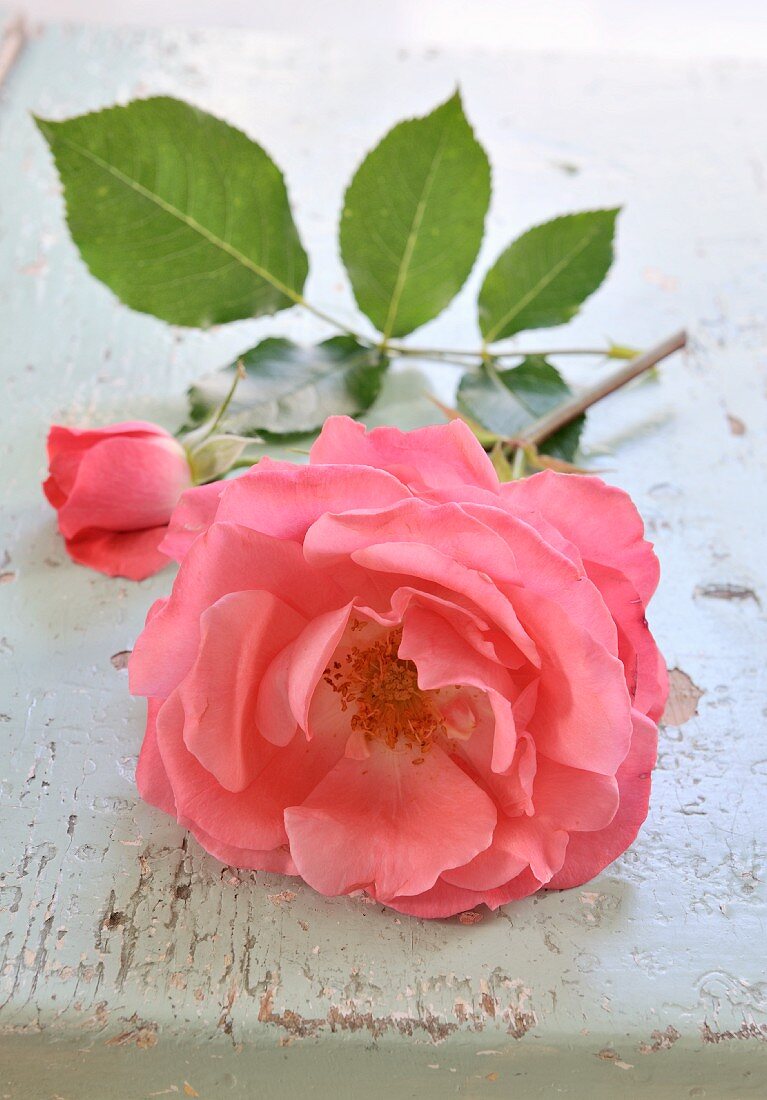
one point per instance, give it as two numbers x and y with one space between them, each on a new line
114 489
387 671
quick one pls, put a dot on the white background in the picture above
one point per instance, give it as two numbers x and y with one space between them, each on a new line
661 28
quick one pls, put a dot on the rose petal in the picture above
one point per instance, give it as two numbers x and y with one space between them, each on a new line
66 446
646 674
543 568
239 635
191 517
131 554
539 844
590 853
583 711
443 658
574 799
388 824
309 657
154 787
446 527
227 558
274 717
277 860
444 900
489 745
599 519
430 566
283 499
63 438
53 492
494 867
477 633
252 818
124 484
151 778
435 457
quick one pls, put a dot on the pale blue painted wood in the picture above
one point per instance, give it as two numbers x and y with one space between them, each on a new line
131 962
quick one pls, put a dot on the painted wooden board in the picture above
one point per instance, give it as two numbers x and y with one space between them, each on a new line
131 963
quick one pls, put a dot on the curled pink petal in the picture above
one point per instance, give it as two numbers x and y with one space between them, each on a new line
252 818
219 702
600 520
283 500
444 456
151 777
589 853
132 554
227 558
445 899
583 710
646 675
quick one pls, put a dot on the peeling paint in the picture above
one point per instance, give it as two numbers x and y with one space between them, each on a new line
661 1040
139 1033
683 698
748 1030
117 928
737 592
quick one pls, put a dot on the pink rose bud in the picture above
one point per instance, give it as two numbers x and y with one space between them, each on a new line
114 489
387 671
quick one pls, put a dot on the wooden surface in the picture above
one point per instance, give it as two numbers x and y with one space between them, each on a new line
134 965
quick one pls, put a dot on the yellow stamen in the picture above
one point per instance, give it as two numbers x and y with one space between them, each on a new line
383 689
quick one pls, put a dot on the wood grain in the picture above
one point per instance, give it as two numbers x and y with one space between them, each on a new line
151 965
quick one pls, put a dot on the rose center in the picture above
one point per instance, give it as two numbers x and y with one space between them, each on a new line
383 689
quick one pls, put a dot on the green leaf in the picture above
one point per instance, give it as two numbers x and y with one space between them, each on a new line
508 401
290 389
180 214
413 219
564 444
543 277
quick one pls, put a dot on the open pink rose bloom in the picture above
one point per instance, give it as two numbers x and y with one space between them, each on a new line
385 671
114 490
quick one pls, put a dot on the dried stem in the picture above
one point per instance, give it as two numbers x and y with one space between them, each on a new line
544 427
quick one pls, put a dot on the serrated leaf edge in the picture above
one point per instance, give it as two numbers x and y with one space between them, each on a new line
550 276
456 97
381 365
46 125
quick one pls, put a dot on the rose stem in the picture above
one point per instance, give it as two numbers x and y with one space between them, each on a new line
451 354
544 427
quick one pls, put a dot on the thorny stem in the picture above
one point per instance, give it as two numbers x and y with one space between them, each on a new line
545 426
